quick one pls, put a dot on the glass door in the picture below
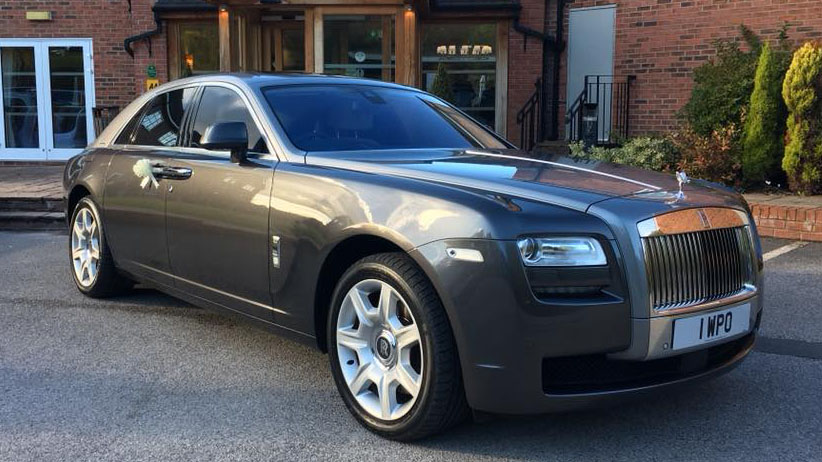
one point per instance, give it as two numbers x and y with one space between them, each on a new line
47 94
359 46
285 47
67 80
21 133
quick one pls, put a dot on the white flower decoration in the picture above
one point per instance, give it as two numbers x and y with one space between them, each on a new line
142 168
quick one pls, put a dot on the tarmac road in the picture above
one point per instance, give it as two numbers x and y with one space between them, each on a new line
146 377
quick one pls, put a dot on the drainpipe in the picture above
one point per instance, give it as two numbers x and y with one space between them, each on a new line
553 135
144 36
550 44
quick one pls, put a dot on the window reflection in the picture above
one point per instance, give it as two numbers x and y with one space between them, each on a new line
294 49
68 97
199 48
459 64
160 126
359 46
19 97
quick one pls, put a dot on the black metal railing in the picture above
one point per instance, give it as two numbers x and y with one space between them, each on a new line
103 115
529 119
601 113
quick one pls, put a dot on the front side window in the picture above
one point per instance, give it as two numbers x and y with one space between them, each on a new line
220 104
360 117
161 121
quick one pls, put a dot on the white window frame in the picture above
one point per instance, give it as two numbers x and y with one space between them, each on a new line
46 149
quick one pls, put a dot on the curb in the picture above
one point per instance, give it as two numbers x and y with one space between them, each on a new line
786 222
31 204
25 220
32 213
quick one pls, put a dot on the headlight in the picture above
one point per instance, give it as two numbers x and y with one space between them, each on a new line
561 251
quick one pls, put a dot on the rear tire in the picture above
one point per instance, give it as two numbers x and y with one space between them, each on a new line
90 260
390 341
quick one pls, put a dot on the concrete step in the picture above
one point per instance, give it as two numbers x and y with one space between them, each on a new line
31 204
25 220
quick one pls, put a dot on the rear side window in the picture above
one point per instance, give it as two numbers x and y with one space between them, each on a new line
161 122
125 135
220 104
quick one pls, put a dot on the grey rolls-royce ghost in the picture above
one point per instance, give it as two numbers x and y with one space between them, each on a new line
442 270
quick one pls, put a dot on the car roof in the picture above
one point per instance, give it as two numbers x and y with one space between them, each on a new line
249 80
263 79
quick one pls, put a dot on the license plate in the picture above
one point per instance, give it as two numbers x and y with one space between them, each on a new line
710 327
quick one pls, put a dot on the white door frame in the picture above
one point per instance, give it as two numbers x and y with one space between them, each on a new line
46 149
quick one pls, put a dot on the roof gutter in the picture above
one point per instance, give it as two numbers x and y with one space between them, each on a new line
144 36
552 41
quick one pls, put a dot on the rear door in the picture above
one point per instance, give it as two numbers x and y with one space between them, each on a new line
135 193
218 236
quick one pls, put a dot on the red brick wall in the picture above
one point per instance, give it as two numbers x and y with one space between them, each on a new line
117 77
662 41
524 62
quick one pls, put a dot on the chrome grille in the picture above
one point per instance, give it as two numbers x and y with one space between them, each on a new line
696 267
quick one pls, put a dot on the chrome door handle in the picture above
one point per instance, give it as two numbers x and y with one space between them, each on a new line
171 173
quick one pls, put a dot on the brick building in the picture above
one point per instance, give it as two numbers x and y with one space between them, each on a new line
518 66
662 41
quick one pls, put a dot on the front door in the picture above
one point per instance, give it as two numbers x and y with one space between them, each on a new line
217 220
48 92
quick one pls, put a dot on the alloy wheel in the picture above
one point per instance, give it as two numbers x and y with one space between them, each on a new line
85 247
379 349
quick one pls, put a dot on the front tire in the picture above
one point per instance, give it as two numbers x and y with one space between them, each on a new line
392 352
92 265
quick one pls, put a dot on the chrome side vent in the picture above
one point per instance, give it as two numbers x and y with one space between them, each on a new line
691 268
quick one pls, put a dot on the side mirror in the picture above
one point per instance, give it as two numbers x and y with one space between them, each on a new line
227 136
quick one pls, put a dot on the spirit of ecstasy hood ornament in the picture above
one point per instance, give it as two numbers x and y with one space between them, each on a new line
682 179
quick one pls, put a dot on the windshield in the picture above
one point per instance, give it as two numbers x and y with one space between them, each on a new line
324 118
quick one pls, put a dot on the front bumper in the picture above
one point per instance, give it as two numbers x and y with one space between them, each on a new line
520 355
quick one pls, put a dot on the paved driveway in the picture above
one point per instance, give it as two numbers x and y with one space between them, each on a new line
146 377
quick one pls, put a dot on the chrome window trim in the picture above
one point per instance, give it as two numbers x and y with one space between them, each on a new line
272 140
139 104
251 108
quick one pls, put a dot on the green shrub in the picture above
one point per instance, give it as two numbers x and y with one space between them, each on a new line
714 157
762 141
802 92
722 86
441 86
652 153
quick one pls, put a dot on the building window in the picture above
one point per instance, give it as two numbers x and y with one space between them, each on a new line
359 46
199 48
294 49
284 42
459 63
